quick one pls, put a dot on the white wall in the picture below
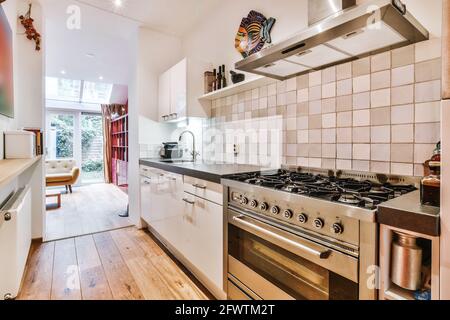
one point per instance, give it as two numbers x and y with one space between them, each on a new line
29 102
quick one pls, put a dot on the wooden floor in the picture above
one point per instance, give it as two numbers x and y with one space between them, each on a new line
90 209
125 264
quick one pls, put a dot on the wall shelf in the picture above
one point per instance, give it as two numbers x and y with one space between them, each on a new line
237 88
11 169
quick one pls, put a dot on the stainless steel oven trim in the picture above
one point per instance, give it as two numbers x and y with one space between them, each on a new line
251 279
337 262
326 206
343 247
242 287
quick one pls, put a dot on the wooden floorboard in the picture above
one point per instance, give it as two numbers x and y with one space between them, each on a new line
124 264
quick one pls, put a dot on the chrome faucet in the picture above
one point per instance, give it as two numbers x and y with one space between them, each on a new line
194 153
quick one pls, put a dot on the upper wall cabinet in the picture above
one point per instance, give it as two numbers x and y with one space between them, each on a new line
179 88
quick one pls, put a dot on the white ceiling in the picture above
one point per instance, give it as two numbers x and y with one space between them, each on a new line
107 32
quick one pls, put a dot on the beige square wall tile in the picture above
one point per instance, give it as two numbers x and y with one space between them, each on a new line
329 105
291 84
428 50
423 152
380 167
402 153
281 99
302 150
380 98
303 95
361 83
344 135
329 120
344 119
303 109
315 163
344 71
380 116
315 93
315 136
315 121
272 89
281 87
302 162
329 75
428 91
344 164
419 170
359 165
291 97
315 150
361 67
361 135
403 75
344 87
428 132
315 107
361 101
303 82
381 134
402 114
344 151
361 118
329 90
403 56
328 135
361 151
402 95
344 103
329 151
381 80
303 136
402 169
291 150
381 61
428 112
380 152
302 123
403 133
329 164
429 70
291 137
315 78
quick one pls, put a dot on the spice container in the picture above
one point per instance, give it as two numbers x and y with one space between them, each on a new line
430 186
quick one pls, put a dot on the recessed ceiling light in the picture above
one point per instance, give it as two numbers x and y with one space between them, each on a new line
90 55
118 3
63 71
100 78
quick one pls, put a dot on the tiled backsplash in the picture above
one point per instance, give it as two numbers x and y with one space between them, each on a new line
379 114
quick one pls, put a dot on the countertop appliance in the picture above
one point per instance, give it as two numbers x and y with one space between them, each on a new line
171 150
309 234
339 31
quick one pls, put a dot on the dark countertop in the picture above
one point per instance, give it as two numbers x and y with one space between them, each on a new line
210 171
407 213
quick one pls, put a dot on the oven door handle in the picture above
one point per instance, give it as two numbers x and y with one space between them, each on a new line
281 237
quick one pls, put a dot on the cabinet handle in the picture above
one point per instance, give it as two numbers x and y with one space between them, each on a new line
189 201
8 216
173 179
199 186
146 182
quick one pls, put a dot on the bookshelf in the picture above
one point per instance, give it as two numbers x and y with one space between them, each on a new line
120 152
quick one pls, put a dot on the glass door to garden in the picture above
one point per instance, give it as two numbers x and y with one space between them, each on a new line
78 136
92 148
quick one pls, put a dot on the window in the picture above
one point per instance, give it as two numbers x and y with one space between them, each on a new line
78 91
96 92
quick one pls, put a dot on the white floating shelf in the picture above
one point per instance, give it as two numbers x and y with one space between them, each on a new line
237 88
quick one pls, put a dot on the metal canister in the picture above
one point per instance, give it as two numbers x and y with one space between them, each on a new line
406 262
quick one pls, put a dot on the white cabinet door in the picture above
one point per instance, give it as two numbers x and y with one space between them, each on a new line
164 96
145 198
178 90
202 230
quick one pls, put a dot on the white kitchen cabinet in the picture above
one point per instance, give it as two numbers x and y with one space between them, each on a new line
179 90
202 230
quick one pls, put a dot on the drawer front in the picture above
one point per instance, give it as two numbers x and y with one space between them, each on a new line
149 171
204 189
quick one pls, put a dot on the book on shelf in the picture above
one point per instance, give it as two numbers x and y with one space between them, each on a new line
39 139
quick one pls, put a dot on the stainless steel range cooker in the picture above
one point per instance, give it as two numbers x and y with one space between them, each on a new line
305 234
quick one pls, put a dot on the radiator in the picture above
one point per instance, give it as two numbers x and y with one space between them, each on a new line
15 241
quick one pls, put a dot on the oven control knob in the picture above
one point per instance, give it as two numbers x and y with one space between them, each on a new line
318 223
302 218
275 210
337 228
264 206
288 214
254 204
244 201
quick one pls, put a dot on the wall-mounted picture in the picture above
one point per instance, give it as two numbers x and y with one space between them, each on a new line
6 67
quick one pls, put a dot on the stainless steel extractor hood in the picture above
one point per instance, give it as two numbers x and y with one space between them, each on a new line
347 34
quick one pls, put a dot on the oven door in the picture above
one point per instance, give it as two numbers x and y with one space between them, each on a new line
267 262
